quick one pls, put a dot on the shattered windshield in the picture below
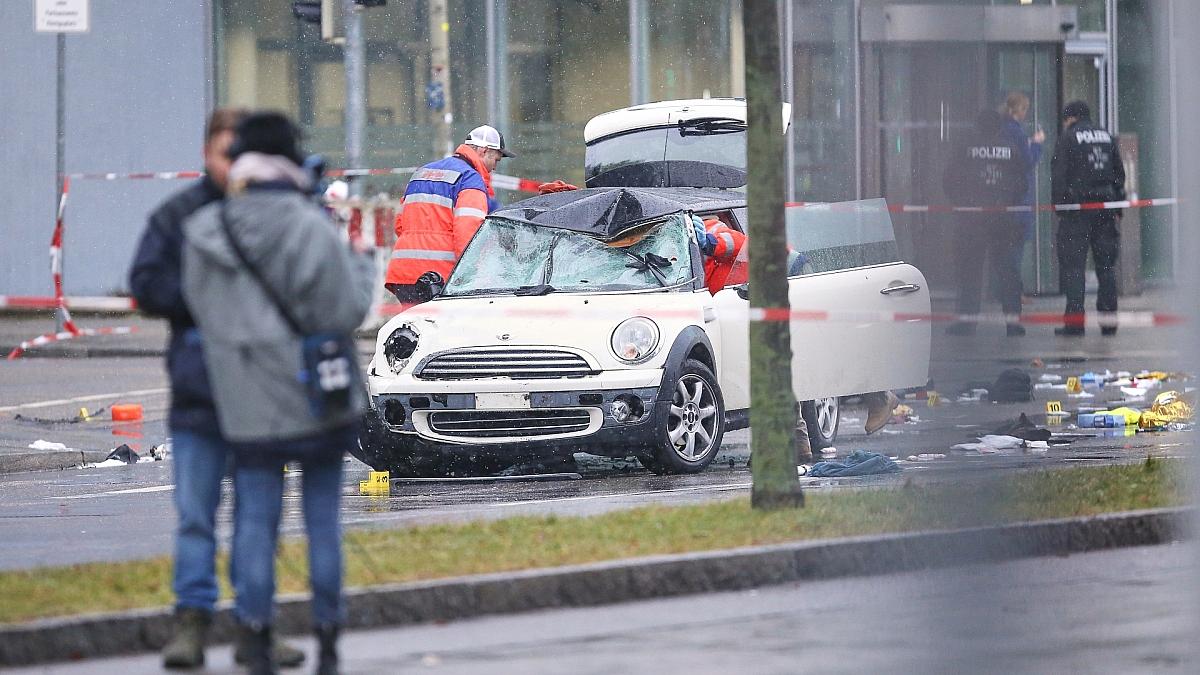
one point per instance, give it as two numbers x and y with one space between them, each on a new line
512 257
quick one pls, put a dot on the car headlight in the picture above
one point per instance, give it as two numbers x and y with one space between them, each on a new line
635 340
398 348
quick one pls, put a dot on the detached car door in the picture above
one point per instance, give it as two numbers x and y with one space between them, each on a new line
864 325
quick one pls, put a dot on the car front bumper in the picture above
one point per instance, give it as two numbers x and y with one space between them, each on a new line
553 421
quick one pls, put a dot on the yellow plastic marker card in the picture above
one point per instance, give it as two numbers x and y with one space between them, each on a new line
1054 408
1073 385
378 483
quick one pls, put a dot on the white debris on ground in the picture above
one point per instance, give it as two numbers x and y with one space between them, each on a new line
47 445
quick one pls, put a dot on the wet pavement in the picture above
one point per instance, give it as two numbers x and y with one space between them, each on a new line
1117 611
85 514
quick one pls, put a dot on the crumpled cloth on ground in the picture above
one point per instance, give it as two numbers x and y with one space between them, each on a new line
1024 429
859 463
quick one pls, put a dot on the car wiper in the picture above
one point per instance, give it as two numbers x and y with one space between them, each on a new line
711 126
539 289
651 262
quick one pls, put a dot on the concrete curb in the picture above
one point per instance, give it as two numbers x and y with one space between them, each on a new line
49 461
615 581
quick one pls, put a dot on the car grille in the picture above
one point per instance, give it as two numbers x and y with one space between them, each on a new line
501 423
522 364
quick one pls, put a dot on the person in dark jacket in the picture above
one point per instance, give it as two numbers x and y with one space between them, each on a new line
1087 167
987 171
199 452
263 271
1015 110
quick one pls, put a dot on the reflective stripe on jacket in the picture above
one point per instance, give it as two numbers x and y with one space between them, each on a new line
444 204
727 264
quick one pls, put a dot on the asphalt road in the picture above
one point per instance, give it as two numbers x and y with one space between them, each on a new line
87 514
1121 611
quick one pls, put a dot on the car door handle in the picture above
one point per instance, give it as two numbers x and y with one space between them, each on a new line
901 288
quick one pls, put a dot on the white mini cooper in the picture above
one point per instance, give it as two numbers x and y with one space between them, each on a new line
580 321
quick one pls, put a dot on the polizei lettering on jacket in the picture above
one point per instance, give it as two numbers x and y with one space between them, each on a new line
1092 136
991 152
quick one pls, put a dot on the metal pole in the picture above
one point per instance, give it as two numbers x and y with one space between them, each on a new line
354 60
493 83
496 12
638 53
439 74
60 89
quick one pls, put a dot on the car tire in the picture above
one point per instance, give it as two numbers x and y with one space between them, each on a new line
823 417
689 433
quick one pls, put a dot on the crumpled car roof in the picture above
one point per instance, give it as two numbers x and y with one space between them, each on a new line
607 212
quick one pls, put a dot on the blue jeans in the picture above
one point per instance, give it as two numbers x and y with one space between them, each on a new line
259 492
200 462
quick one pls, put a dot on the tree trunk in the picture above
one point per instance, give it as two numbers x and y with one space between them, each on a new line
773 408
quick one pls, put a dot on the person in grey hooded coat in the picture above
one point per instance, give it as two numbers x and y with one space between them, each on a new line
253 358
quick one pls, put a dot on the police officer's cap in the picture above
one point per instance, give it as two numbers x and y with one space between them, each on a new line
1077 109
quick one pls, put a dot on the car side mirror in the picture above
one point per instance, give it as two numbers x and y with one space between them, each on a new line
743 291
430 285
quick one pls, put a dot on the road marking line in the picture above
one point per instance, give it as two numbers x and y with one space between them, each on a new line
130 491
82 399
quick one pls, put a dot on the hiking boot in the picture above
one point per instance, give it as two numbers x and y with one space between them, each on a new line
961 329
1014 330
802 445
1108 331
283 654
186 648
327 663
1069 331
255 644
880 405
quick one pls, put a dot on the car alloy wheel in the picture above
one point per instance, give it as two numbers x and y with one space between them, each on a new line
822 418
692 418
827 416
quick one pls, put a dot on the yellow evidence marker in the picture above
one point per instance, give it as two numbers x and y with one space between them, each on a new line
378 483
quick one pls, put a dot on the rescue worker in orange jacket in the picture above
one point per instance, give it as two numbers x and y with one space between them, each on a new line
444 204
724 254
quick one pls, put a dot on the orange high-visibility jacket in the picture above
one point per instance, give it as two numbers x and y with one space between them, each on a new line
726 266
444 204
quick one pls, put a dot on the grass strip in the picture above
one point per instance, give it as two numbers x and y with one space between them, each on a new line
438 551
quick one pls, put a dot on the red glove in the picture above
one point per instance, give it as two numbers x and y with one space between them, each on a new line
556 186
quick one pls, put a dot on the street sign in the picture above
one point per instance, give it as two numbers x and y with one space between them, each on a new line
60 16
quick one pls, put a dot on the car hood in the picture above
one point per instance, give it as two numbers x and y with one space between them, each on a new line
577 322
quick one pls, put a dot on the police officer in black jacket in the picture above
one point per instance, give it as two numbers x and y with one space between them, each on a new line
1087 167
988 171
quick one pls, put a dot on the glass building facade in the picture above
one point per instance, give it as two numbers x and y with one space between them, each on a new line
875 109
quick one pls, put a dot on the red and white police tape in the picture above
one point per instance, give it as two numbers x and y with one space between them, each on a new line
61 304
1129 319
67 335
499 180
1026 208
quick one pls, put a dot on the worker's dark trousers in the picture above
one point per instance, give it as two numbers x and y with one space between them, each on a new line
995 236
1077 232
